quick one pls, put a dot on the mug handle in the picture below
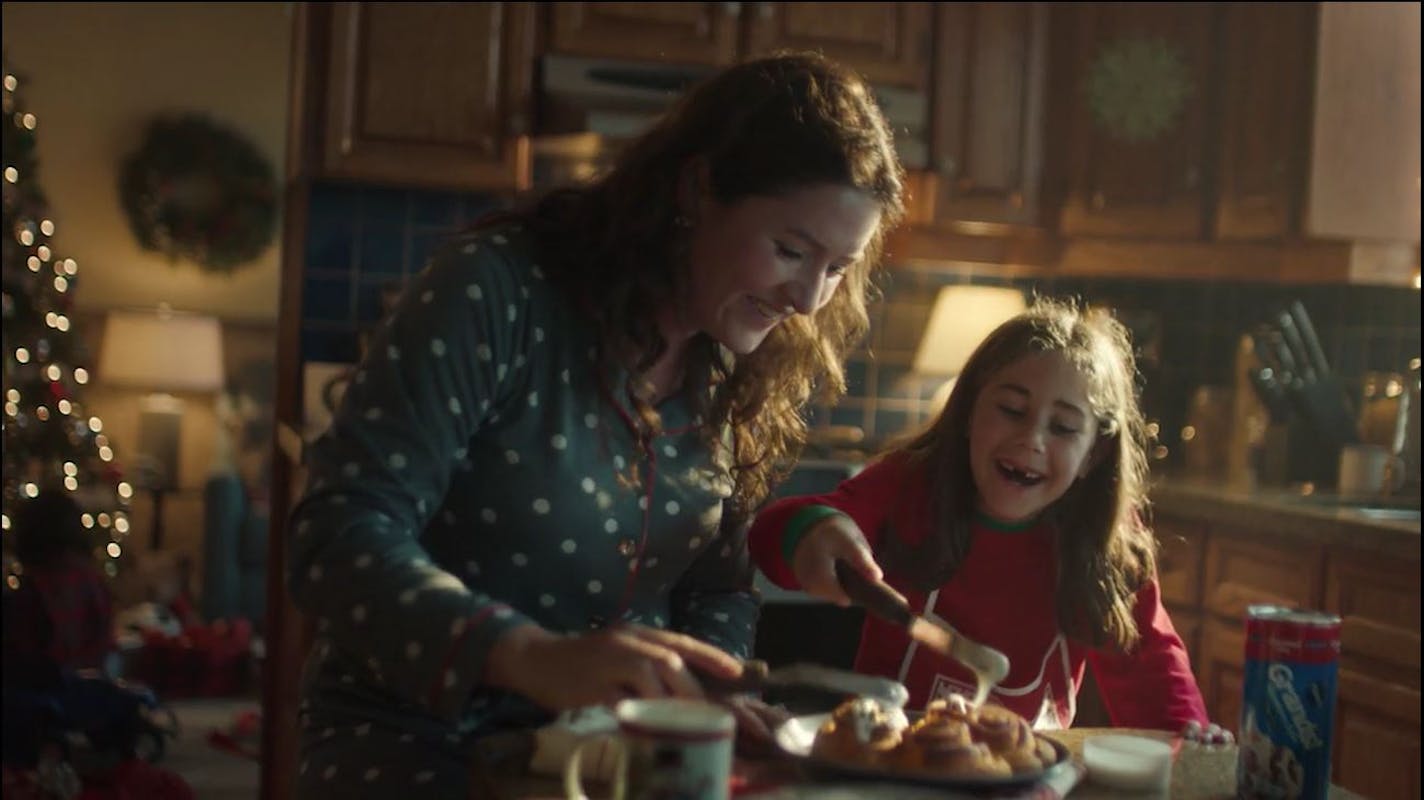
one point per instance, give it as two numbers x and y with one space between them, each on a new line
1394 473
573 772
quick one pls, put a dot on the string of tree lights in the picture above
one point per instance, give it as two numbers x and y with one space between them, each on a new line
50 440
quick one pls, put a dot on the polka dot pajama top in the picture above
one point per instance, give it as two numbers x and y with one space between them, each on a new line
470 483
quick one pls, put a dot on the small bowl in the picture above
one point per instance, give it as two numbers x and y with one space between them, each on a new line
1131 763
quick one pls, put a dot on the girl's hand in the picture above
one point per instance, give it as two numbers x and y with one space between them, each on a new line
814 560
603 667
1211 734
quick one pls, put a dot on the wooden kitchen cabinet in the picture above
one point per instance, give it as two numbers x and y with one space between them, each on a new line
1182 548
690 33
1214 562
1243 569
1377 713
1376 737
425 94
886 42
1267 52
986 150
1131 87
980 197
1180 556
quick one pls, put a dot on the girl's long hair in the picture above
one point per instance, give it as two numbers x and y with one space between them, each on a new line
1105 551
761 128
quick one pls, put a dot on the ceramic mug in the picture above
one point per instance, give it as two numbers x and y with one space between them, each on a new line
1369 469
665 748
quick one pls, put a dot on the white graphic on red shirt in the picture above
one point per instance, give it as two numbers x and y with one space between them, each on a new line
1051 713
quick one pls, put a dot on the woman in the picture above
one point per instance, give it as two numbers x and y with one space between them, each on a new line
534 495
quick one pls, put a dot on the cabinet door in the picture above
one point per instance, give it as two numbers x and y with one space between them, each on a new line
1220 670
1243 569
688 33
990 67
1132 81
1377 749
430 94
1179 560
888 43
1265 118
1378 603
1376 737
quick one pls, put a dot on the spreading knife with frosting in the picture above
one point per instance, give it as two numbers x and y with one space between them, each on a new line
884 601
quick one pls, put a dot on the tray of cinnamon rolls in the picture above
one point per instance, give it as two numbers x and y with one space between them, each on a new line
951 744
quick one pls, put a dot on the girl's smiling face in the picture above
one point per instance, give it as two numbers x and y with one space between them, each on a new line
1031 434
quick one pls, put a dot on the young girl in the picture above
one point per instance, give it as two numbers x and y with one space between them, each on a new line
1015 517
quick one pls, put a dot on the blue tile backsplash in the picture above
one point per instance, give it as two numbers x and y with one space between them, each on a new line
364 241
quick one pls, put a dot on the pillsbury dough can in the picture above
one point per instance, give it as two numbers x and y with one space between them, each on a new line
1288 704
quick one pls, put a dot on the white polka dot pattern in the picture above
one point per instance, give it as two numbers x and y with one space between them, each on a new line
494 480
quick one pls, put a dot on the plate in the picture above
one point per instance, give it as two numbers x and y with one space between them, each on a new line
795 737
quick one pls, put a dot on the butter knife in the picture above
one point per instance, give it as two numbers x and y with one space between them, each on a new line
757 676
882 600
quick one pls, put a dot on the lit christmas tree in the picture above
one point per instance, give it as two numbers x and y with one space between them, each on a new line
50 440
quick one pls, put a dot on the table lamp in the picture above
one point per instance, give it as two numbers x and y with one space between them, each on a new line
962 316
162 351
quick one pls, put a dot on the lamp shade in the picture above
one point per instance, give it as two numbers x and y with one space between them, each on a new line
163 351
961 318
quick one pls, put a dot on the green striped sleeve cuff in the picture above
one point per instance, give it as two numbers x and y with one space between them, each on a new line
801 524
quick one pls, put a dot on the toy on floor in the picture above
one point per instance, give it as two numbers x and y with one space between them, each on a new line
85 707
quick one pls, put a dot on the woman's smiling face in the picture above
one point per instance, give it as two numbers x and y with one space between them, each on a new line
759 260
1031 434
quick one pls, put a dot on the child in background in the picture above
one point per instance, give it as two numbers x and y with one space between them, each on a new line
60 616
1016 517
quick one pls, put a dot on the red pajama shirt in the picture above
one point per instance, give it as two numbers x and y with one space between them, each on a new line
1003 596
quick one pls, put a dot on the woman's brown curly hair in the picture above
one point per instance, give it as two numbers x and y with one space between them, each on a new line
762 128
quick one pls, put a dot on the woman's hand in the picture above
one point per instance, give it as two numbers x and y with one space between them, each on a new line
605 666
813 562
756 723
1211 734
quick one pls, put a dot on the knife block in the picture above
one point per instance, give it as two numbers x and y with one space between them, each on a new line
1292 452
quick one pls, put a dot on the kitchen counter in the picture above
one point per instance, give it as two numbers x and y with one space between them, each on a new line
1287 513
1198 773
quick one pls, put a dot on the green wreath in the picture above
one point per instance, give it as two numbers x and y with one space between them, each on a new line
199 191
1137 87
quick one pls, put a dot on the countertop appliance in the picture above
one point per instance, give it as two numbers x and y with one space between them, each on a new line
588 108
